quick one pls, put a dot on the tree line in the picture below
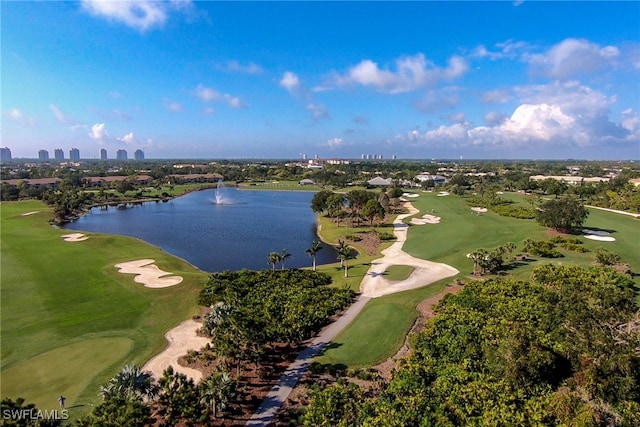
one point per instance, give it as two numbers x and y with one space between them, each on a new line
561 349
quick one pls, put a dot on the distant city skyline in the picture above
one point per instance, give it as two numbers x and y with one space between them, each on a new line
183 79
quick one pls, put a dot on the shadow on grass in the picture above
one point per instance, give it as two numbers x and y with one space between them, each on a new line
516 264
596 229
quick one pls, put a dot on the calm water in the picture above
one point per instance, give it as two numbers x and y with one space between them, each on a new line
237 234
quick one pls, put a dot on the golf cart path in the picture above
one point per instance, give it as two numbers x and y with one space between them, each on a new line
373 285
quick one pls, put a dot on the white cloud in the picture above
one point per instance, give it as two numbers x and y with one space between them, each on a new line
572 57
17 116
207 94
141 15
631 122
60 116
128 138
436 100
457 117
233 101
318 112
334 143
173 106
497 96
493 118
98 132
290 82
208 111
236 67
568 115
411 73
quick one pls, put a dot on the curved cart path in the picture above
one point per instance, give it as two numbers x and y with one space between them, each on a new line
373 285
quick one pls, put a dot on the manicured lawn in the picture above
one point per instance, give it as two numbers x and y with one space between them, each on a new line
379 331
69 319
398 272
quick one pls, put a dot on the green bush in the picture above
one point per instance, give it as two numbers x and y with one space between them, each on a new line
522 212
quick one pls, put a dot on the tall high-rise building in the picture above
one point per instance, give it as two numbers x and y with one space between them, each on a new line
5 154
43 155
121 154
138 155
74 154
58 154
103 154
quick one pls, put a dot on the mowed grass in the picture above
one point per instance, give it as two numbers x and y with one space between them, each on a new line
379 331
70 320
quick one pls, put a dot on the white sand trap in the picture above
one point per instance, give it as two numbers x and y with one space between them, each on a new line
410 195
426 219
75 237
600 238
29 213
479 209
180 340
595 232
148 273
443 193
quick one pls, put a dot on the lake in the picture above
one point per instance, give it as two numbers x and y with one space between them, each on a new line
239 231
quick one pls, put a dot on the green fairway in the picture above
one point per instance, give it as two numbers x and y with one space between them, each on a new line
70 320
379 331
398 272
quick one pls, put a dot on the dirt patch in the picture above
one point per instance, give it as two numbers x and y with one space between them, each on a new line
255 381
369 242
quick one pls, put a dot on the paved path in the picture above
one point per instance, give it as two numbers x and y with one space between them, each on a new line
373 285
279 393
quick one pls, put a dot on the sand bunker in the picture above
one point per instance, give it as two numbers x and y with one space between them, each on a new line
148 274
29 213
443 193
426 219
600 238
410 195
479 209
75 237
180 340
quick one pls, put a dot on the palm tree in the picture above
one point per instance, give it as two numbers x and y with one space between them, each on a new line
274 258
131 383
316 246
217 390
345 253
284 255
475 257
342 247
219 314
510 247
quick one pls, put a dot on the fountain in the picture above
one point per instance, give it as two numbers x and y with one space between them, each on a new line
220 197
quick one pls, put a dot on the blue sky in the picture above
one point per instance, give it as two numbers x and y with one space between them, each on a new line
181 79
